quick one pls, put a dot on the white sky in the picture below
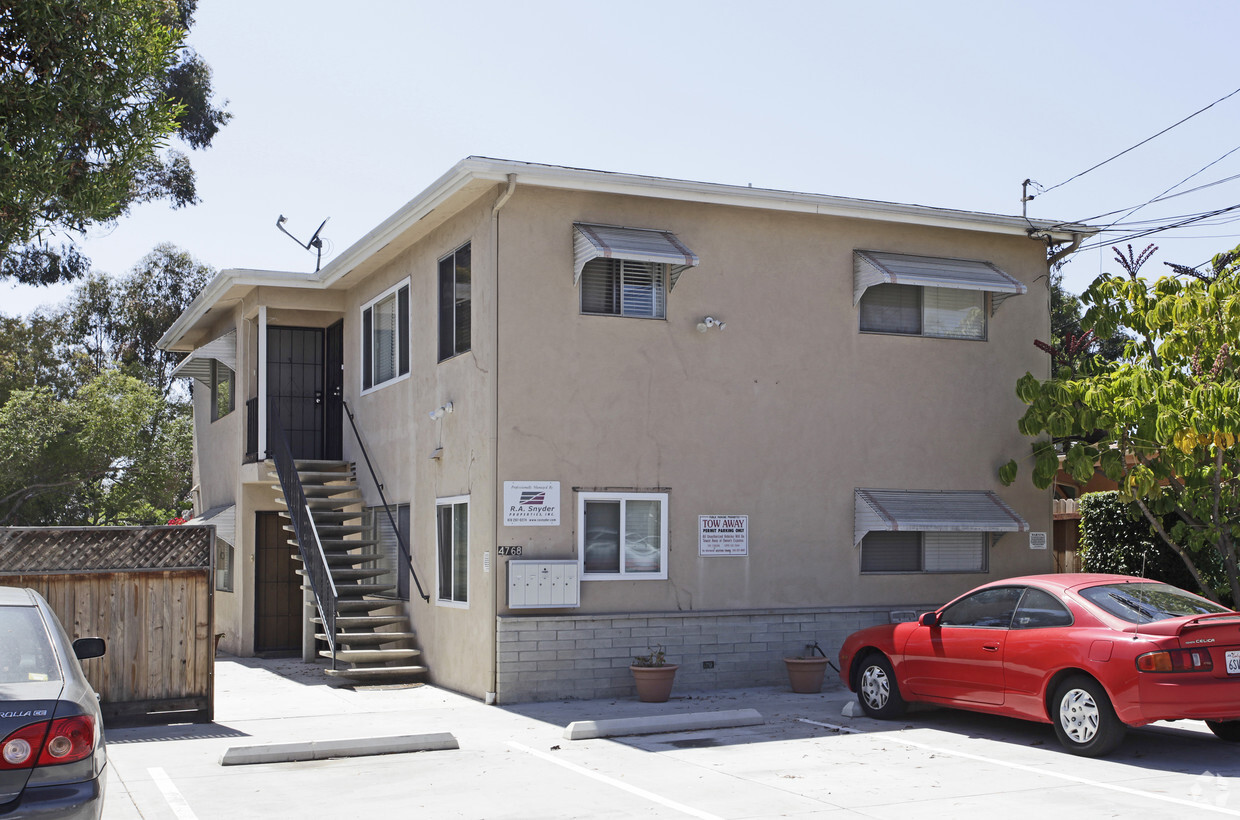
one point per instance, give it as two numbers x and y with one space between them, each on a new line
349 110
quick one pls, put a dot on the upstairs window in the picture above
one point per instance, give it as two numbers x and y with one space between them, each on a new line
223 390
619 287
385 337
927 295
913 310
455 282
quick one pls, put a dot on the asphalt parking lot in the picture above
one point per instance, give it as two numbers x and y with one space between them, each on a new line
806 759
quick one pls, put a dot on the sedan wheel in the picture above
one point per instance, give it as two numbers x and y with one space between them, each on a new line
877 690
1084 720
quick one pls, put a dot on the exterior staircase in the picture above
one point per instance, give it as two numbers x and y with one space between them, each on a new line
373 637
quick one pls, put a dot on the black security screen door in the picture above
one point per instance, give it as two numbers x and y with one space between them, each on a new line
295 387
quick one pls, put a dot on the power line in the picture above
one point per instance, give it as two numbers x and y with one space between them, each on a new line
1142 142
1186 221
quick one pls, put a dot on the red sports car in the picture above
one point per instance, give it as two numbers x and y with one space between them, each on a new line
1090 654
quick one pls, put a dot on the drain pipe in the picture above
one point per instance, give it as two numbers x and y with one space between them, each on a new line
496 584
1077 238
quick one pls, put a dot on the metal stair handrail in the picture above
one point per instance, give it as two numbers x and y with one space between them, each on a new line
400 540
308 543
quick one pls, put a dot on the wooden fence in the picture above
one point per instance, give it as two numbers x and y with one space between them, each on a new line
155 614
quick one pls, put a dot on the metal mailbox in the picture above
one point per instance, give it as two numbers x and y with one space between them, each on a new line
543 584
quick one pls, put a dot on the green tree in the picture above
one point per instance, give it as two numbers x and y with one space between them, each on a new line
1163 419
90 93
109 454
117 322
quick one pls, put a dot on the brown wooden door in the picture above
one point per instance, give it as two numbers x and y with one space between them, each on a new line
277 587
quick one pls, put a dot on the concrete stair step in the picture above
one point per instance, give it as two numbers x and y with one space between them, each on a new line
359 622
347 559
312 491
351 589
355 605
343 575
378 674
349 578
345 544
371 655
368 638
333 504
322 465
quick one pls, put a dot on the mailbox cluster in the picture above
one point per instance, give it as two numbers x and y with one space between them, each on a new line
543 584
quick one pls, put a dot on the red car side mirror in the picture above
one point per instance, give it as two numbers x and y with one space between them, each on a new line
929 619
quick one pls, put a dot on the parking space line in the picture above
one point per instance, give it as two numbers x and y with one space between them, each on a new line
1031 769
651 796
176 801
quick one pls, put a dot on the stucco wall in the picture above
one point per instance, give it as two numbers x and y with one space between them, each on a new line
778 417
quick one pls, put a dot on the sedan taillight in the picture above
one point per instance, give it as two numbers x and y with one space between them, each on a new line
1175 660
64 740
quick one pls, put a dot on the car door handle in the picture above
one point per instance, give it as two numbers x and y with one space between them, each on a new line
991 647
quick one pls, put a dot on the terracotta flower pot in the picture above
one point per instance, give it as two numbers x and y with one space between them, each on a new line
806 674
654 683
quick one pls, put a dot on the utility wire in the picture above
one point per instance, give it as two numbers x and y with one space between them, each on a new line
1142 142
1181 182
1186 221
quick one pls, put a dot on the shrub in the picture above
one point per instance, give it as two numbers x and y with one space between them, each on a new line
1115 537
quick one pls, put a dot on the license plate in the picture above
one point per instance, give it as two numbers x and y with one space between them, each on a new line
1233 661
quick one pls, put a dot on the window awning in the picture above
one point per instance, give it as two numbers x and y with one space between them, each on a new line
224 518
932 511
634 244
875 268
197 364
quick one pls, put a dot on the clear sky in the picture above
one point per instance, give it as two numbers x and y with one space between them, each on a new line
347 111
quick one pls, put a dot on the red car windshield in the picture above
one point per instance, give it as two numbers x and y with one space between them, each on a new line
1143 603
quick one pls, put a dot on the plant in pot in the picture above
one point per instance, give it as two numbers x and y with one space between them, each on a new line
806 672
653 675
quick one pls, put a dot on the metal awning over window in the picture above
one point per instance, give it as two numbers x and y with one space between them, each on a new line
874 268
225 520
932 511
634 244
197 364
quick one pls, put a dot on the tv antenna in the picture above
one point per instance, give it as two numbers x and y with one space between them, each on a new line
315 242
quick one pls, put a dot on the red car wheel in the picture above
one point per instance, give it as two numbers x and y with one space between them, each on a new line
1084 720
877 690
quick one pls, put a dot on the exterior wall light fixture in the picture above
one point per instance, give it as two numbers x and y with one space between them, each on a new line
709 322
440 412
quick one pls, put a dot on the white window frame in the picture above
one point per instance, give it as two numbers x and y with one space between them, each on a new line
222 374
448 313
451 502
623 498
368 343
926 542
923 292
617 268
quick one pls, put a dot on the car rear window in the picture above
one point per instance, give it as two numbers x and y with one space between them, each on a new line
1143 603
25 650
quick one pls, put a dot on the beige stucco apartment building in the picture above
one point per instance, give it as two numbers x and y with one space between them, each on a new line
728 421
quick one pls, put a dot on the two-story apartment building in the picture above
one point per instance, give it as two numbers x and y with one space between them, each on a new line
726 420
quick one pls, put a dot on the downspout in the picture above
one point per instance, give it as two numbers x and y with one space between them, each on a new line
1077 238
498 500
